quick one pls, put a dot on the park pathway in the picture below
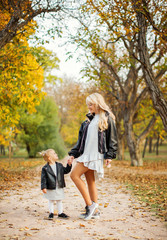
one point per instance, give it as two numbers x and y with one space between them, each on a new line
24 211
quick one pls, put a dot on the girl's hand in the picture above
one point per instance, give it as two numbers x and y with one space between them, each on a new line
44 190
108 162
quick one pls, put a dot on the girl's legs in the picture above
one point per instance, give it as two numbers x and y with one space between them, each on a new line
51 206
90 178
59 206
76 174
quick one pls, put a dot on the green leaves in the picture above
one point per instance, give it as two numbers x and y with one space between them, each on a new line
40 130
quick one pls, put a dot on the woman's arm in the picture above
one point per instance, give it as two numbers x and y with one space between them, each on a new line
75 150
111 140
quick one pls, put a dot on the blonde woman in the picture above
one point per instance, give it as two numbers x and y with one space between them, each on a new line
97 141
53 182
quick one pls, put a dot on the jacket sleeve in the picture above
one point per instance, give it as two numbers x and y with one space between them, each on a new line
111 140
43 179
75 150
67 169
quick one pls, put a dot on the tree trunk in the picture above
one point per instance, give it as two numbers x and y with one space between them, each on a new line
150 145
121 145
145 145
134 144
10 154
157 145
134 152
158 100
2 149
28 148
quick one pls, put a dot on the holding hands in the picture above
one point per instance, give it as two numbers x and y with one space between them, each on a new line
70 160
44 190
108 162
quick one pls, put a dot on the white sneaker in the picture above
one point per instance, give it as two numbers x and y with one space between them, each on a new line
90 211
96 214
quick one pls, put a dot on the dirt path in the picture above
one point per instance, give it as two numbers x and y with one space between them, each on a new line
23 214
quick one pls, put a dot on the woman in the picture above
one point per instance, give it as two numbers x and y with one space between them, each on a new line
97 141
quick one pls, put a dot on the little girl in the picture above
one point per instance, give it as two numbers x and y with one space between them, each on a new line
52 181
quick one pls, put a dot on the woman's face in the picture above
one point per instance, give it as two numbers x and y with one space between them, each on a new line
92 108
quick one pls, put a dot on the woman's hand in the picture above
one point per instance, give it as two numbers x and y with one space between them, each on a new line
44 190
70 160
108 162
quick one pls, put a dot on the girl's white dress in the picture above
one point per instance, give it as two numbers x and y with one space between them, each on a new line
91 157
55 194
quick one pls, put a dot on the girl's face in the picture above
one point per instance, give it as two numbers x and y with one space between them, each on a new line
92 108
53 156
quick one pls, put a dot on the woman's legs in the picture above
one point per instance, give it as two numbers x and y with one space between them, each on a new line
76 174
90 178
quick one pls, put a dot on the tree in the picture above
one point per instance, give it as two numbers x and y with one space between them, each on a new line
19 13
48 60
70 96
21 83
108 32
144 19
40 130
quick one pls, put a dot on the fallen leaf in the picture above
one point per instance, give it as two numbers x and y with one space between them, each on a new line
81 225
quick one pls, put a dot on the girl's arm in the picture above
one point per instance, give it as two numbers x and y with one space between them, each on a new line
67 169
43 179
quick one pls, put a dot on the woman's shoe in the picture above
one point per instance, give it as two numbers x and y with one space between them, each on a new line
96 214
90 211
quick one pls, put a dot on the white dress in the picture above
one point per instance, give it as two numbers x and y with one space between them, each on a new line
55 194
91 157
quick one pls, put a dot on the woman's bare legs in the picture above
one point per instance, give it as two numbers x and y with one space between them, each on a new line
90 178
76 174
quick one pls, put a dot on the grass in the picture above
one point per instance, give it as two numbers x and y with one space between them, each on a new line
13 172
147 183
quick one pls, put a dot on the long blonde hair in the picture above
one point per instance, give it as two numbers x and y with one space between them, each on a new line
46 155
98 100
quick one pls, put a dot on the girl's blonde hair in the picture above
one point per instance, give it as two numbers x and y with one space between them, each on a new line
46 154
98 100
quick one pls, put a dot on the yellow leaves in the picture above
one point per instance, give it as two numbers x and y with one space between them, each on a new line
107 50
81 225
21 83
4 18
106 205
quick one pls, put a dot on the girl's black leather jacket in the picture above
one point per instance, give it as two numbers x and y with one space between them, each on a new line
107 139
48 178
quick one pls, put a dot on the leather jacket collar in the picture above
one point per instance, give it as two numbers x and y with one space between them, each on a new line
90 116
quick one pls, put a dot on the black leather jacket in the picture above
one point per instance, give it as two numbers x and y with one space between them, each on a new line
107 139
48 178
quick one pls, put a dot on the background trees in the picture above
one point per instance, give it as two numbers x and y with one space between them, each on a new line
124 45
17 14
109 33
40 130
157 20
